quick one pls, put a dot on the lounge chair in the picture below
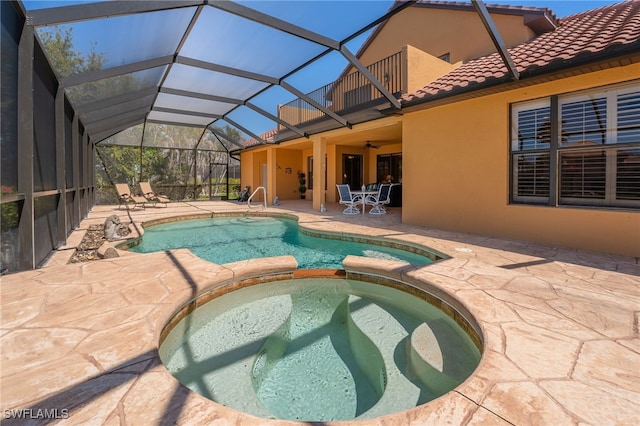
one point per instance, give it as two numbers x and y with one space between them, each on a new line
379 200
348 199
126 197
151 196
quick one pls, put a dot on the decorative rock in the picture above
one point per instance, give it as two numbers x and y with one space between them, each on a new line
110 253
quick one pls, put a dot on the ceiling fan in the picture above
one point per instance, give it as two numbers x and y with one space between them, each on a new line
370 145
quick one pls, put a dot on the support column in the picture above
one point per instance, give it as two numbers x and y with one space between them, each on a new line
75 147
26 255
319 154
61 184
271 187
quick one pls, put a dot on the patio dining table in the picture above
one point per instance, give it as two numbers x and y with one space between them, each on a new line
364 195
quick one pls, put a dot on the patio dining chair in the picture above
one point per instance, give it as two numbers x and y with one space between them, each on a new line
349 199
379 200
126 197
151 196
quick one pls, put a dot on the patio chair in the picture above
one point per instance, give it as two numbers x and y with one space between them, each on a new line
349 199
378 201
126 197
151 196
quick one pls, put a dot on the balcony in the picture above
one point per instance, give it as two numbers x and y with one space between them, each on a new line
348 96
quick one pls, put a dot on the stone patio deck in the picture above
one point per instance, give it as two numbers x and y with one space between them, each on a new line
561 341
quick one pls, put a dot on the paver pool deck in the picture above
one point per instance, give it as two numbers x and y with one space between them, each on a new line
560 328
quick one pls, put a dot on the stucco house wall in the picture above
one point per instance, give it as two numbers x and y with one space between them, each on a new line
457 159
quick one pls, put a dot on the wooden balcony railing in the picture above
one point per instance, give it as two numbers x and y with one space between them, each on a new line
347 94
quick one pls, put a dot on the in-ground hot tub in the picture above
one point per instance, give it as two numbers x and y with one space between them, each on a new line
320 349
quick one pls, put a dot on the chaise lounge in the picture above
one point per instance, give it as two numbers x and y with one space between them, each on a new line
151 196
126 197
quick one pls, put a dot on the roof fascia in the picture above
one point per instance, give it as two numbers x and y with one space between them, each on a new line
529 78
92 76
106 9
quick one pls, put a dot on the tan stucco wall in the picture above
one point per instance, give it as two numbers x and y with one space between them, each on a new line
286 185
456 175
440 31
422 68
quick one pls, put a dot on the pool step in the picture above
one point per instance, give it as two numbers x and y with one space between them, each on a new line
387 334
440 357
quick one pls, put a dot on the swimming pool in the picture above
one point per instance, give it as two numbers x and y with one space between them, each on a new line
231 239
319 349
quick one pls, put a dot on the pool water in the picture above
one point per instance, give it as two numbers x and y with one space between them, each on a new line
319 349
231 239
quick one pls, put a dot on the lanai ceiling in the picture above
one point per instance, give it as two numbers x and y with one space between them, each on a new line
203 63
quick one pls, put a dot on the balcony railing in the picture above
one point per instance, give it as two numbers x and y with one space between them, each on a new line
350 93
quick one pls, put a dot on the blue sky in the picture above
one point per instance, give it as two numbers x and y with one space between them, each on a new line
263 53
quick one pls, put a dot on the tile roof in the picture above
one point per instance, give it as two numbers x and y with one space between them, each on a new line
268 136
581 38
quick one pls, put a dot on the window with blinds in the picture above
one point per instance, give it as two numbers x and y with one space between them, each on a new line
595 160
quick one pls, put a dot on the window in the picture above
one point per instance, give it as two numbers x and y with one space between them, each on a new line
389 164
589 155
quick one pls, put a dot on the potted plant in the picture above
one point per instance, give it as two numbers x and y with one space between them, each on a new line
302 182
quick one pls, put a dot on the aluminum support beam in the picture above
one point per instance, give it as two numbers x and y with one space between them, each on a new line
97 10
226 70
249 132
204 96
219 134
189 113
491 28
276 119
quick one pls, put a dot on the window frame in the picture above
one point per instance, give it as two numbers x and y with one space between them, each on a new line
559 151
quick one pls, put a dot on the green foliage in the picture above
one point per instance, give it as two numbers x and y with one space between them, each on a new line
59 47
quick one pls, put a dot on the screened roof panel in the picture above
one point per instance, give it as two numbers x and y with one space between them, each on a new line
186 103
166 136
211 82
129 137
138 32
115 86
141 105
197 63
346 17
237 42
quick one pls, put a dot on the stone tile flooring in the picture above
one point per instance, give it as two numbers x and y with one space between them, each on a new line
560 326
